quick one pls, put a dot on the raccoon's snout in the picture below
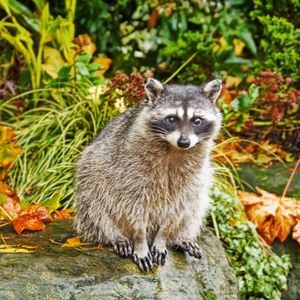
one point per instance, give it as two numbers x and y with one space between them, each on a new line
183 142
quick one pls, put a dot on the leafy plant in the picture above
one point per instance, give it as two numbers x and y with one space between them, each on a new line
261 273
38 37
279 36
238 110
52 136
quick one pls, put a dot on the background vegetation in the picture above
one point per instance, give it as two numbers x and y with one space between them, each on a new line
68 67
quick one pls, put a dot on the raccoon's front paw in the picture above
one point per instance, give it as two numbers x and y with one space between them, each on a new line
144 263
123 248
159 255
192 248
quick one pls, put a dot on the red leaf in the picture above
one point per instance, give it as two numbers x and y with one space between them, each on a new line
29 222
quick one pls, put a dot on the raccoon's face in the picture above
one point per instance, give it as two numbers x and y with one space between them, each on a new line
184 116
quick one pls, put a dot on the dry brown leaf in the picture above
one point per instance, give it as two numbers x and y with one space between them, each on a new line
296 231
273 215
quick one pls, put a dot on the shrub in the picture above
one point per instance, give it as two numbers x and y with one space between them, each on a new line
261 273
278 34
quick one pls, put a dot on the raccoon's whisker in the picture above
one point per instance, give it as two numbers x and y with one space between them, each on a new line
158 129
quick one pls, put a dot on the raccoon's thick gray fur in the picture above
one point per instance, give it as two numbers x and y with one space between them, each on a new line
144 181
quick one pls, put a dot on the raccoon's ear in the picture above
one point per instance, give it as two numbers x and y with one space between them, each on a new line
153 89
212 90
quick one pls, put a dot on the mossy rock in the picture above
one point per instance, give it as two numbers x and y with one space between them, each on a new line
53 272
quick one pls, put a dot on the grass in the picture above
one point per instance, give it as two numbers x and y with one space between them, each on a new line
52 137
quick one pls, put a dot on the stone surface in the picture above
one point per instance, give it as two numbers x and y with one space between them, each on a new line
53 272
272 179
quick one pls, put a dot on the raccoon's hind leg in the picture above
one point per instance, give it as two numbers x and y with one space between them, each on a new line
192 248
186 237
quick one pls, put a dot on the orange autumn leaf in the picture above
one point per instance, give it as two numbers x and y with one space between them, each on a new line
104 62
152 19
29 222
272 215
85 44
64 214
37 210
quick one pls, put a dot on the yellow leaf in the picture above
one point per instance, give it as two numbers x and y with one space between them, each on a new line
72 242
221 45
231 81
53 61
11 249
105 63
238 47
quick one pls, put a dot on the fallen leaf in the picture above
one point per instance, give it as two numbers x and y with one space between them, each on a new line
9 249
36 210
63 214
72 242
273 216
29 222
296 232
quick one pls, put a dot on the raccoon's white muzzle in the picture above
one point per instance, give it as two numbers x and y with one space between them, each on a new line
178 141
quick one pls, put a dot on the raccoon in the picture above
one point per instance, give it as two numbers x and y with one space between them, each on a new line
143 183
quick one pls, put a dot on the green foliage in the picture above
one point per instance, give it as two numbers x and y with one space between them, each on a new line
261 273
211 32
33 34
52 137
140 34
279 35
240 107
102 20
82 73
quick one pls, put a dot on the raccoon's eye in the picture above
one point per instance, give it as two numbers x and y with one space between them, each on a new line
197 121
171 119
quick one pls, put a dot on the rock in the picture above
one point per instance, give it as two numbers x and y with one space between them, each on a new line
53 272
272 178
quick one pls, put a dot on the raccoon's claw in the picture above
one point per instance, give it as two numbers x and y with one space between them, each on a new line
159 256
193 249
123 248
144 263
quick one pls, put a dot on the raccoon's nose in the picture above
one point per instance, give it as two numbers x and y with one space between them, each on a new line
183 143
